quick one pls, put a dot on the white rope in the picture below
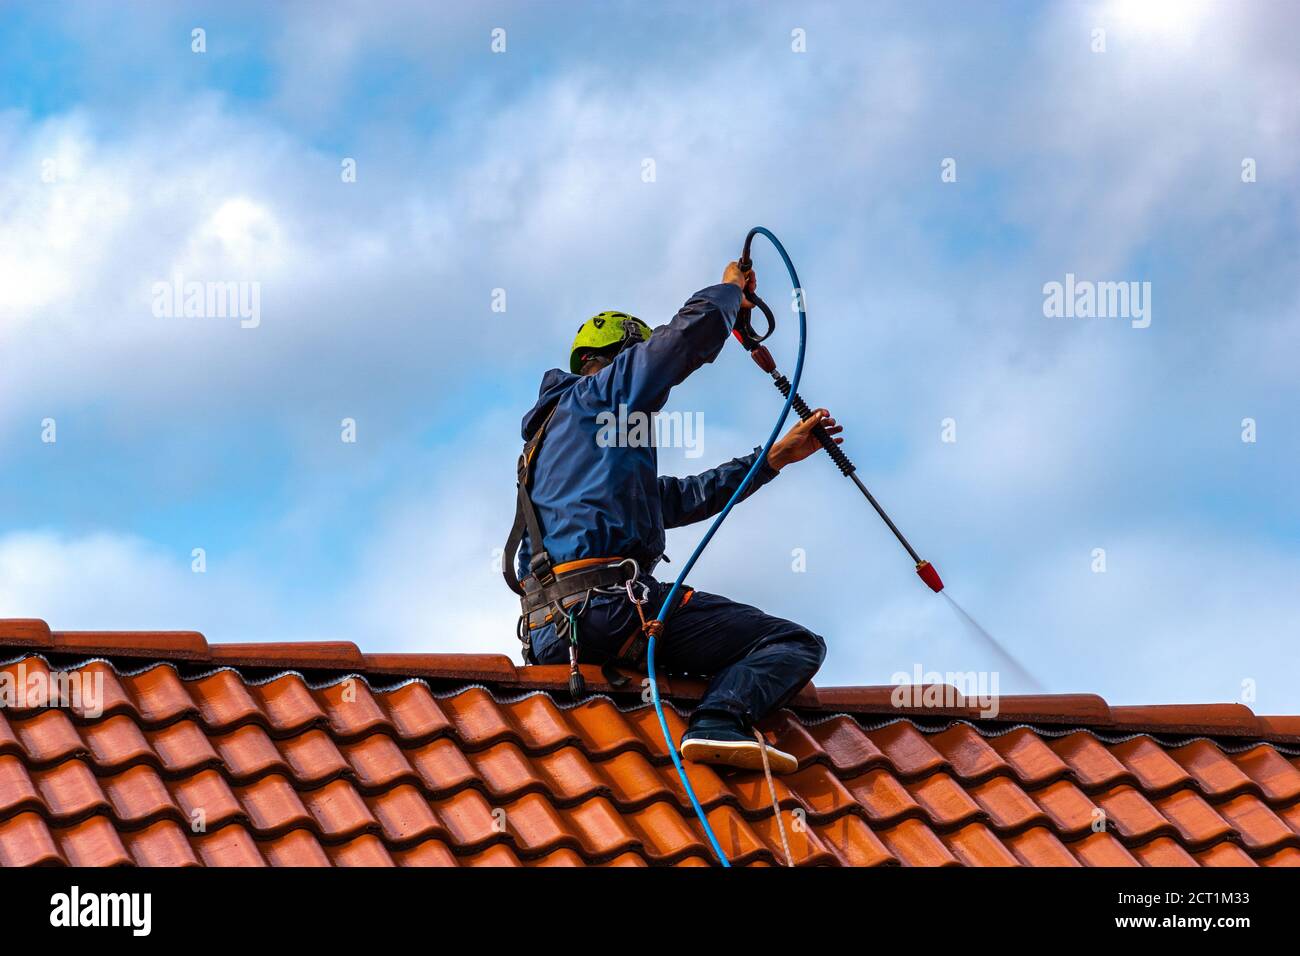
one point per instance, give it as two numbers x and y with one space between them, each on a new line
771 788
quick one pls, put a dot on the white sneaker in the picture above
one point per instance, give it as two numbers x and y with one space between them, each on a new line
734 750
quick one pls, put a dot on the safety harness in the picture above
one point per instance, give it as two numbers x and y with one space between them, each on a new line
558 594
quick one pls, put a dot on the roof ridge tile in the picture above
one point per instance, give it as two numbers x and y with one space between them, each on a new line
169 645
300 654
1212 719
24 632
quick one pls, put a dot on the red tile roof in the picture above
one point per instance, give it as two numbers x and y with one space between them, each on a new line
317 754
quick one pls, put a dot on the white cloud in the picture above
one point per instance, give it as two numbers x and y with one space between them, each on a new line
123 582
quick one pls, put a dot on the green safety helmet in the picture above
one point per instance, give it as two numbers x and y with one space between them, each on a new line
603 330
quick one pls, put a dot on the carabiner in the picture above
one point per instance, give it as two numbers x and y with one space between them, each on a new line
631 596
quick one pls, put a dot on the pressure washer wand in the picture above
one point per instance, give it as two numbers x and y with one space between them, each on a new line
763 359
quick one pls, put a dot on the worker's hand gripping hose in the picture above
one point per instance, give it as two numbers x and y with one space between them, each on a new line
655 627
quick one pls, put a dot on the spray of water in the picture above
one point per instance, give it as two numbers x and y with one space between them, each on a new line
1014 666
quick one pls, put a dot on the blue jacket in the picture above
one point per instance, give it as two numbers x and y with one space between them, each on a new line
606 502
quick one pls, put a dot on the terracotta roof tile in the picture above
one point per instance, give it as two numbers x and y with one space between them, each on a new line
138 796
1214 772
288 705
115 742
1260 828
160 697
1277 778
169 645
377 763
971 757
1102 849
915 844
1068 807
316 754
404 815
295 848
1151 765
1132 816
272 805
1289 856
164 843
1090 763
1195 820
229 846
882 797
815 788
224 701
442 766
1008 807
206 800
338 810
25 633
977 845
415 714
312 757
25 840
183 747
17 790
854 843
365 850
436 853
49 737
1163 852
117 697
944 802
8 739
69 790
668 835
907 749
467 818
1030 757
1038 846
94 842
249 753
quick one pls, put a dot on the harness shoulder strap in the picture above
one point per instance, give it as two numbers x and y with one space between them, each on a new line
526 517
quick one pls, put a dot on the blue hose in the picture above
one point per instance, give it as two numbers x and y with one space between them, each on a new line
717 523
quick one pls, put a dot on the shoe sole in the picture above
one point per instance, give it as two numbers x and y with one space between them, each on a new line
742 754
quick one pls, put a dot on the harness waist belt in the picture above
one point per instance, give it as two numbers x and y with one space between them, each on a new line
587 574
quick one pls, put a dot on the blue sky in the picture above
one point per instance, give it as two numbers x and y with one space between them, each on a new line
522 170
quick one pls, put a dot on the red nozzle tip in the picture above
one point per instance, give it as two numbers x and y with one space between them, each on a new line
925 570
763 358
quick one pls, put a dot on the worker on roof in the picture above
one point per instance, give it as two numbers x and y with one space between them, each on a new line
589 528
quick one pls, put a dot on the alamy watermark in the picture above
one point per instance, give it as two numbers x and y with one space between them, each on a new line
177 299
950 690
133 911
1084 299
637 429
81 690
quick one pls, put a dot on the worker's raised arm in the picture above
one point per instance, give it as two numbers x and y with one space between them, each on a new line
641 377
687 500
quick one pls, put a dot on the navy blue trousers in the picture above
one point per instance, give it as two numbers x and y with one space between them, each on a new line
754 662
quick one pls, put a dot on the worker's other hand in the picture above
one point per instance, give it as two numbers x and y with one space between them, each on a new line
744 281
800 442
